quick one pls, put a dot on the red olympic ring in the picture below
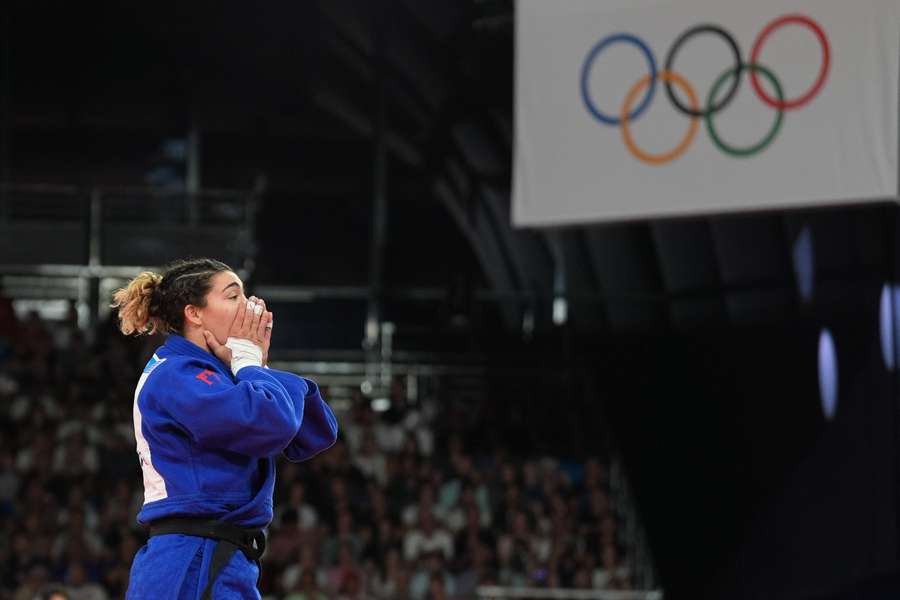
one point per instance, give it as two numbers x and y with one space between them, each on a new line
823 71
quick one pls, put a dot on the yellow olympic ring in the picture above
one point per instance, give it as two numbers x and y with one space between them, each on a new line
659 159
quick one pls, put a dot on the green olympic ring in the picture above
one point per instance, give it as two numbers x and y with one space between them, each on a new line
773 131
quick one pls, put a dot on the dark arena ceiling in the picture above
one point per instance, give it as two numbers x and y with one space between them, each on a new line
293 96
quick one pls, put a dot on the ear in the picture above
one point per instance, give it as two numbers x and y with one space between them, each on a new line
192 315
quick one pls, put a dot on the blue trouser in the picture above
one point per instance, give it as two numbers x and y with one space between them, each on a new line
176 567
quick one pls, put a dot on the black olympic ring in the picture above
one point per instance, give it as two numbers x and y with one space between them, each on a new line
670 60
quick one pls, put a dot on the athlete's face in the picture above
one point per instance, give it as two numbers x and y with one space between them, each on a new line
222 302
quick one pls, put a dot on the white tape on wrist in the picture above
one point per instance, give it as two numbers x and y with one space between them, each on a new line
244 353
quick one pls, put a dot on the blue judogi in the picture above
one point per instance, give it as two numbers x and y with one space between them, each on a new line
206 440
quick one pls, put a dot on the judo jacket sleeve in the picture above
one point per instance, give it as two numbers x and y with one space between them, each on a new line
252 414
319 428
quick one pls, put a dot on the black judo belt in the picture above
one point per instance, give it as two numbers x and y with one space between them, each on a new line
230 538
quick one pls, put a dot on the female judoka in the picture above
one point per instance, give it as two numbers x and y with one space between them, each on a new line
210 418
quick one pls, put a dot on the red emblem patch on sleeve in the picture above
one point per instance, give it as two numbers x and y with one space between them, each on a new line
204 376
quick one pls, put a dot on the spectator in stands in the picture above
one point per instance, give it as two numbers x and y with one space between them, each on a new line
390 579
424 504
469 541
285 539
346 579
431 566
34 579
386 538
74 457
307 562
389 431
359 420
308 589
10 483
426 538
80 587
65 331
53 592
9 323
437 588
346 535
297 510
116 571
370 460
75 539
616 577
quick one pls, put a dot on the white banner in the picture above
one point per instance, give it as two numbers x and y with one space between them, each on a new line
644 108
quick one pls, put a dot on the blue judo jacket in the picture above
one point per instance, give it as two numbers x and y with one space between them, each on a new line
207 439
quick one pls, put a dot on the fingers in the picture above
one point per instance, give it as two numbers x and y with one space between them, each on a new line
263 319
253 322
211 341
237 325
220 350
255 318
264 325
270 321
246 320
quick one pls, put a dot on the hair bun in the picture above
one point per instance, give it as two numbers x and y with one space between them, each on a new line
154 284
138 304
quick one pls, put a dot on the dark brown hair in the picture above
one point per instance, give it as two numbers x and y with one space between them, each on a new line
154 302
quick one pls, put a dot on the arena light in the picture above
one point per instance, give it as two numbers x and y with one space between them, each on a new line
804 264
888 323
528 323
828 374
381 404
560 310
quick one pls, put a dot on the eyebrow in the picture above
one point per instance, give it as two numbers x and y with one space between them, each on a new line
233 283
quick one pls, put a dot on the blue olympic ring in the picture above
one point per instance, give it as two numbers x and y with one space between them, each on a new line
586 71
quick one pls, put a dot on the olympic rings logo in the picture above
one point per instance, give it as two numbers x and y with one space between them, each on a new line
732 76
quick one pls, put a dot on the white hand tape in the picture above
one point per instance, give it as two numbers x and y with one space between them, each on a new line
244 353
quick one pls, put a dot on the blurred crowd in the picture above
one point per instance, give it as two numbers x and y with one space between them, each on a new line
402 507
